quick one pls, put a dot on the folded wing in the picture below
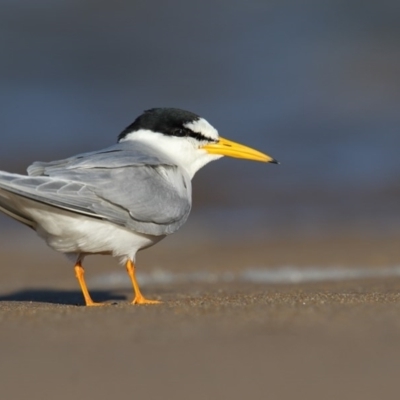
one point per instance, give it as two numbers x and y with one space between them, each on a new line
130 187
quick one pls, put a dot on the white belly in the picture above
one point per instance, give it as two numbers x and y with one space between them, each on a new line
76 234
83 235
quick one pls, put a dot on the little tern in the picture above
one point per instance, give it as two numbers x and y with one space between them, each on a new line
121 199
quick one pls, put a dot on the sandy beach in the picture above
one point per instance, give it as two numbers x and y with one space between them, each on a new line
212 337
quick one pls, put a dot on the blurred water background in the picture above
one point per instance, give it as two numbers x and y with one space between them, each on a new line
315 84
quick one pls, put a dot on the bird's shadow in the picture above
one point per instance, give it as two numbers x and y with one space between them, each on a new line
65 297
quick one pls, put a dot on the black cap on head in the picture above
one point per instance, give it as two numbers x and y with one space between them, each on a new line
169 121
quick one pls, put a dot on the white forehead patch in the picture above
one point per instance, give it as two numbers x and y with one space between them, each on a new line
204 128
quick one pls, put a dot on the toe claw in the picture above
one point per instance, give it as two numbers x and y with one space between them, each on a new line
142 300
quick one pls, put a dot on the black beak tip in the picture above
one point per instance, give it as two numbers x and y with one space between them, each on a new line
273 161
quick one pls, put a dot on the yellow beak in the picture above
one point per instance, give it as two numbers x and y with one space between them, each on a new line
228 148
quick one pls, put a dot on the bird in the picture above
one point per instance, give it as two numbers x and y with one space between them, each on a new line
121 199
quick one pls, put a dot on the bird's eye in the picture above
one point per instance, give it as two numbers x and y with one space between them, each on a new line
180 132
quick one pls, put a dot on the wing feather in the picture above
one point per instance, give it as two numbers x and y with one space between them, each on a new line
130 186
119 155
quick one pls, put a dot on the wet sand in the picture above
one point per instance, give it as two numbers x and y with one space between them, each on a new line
233 340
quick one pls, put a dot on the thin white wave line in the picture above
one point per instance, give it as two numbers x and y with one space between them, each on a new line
283 275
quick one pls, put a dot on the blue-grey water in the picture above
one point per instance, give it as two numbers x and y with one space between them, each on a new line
315 84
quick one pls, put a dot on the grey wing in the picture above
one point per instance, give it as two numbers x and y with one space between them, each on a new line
151 199
157 199
72 196
119 155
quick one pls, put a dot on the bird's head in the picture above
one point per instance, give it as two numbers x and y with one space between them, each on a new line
186 138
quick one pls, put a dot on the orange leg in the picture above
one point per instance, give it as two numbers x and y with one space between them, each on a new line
139 298
79 273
